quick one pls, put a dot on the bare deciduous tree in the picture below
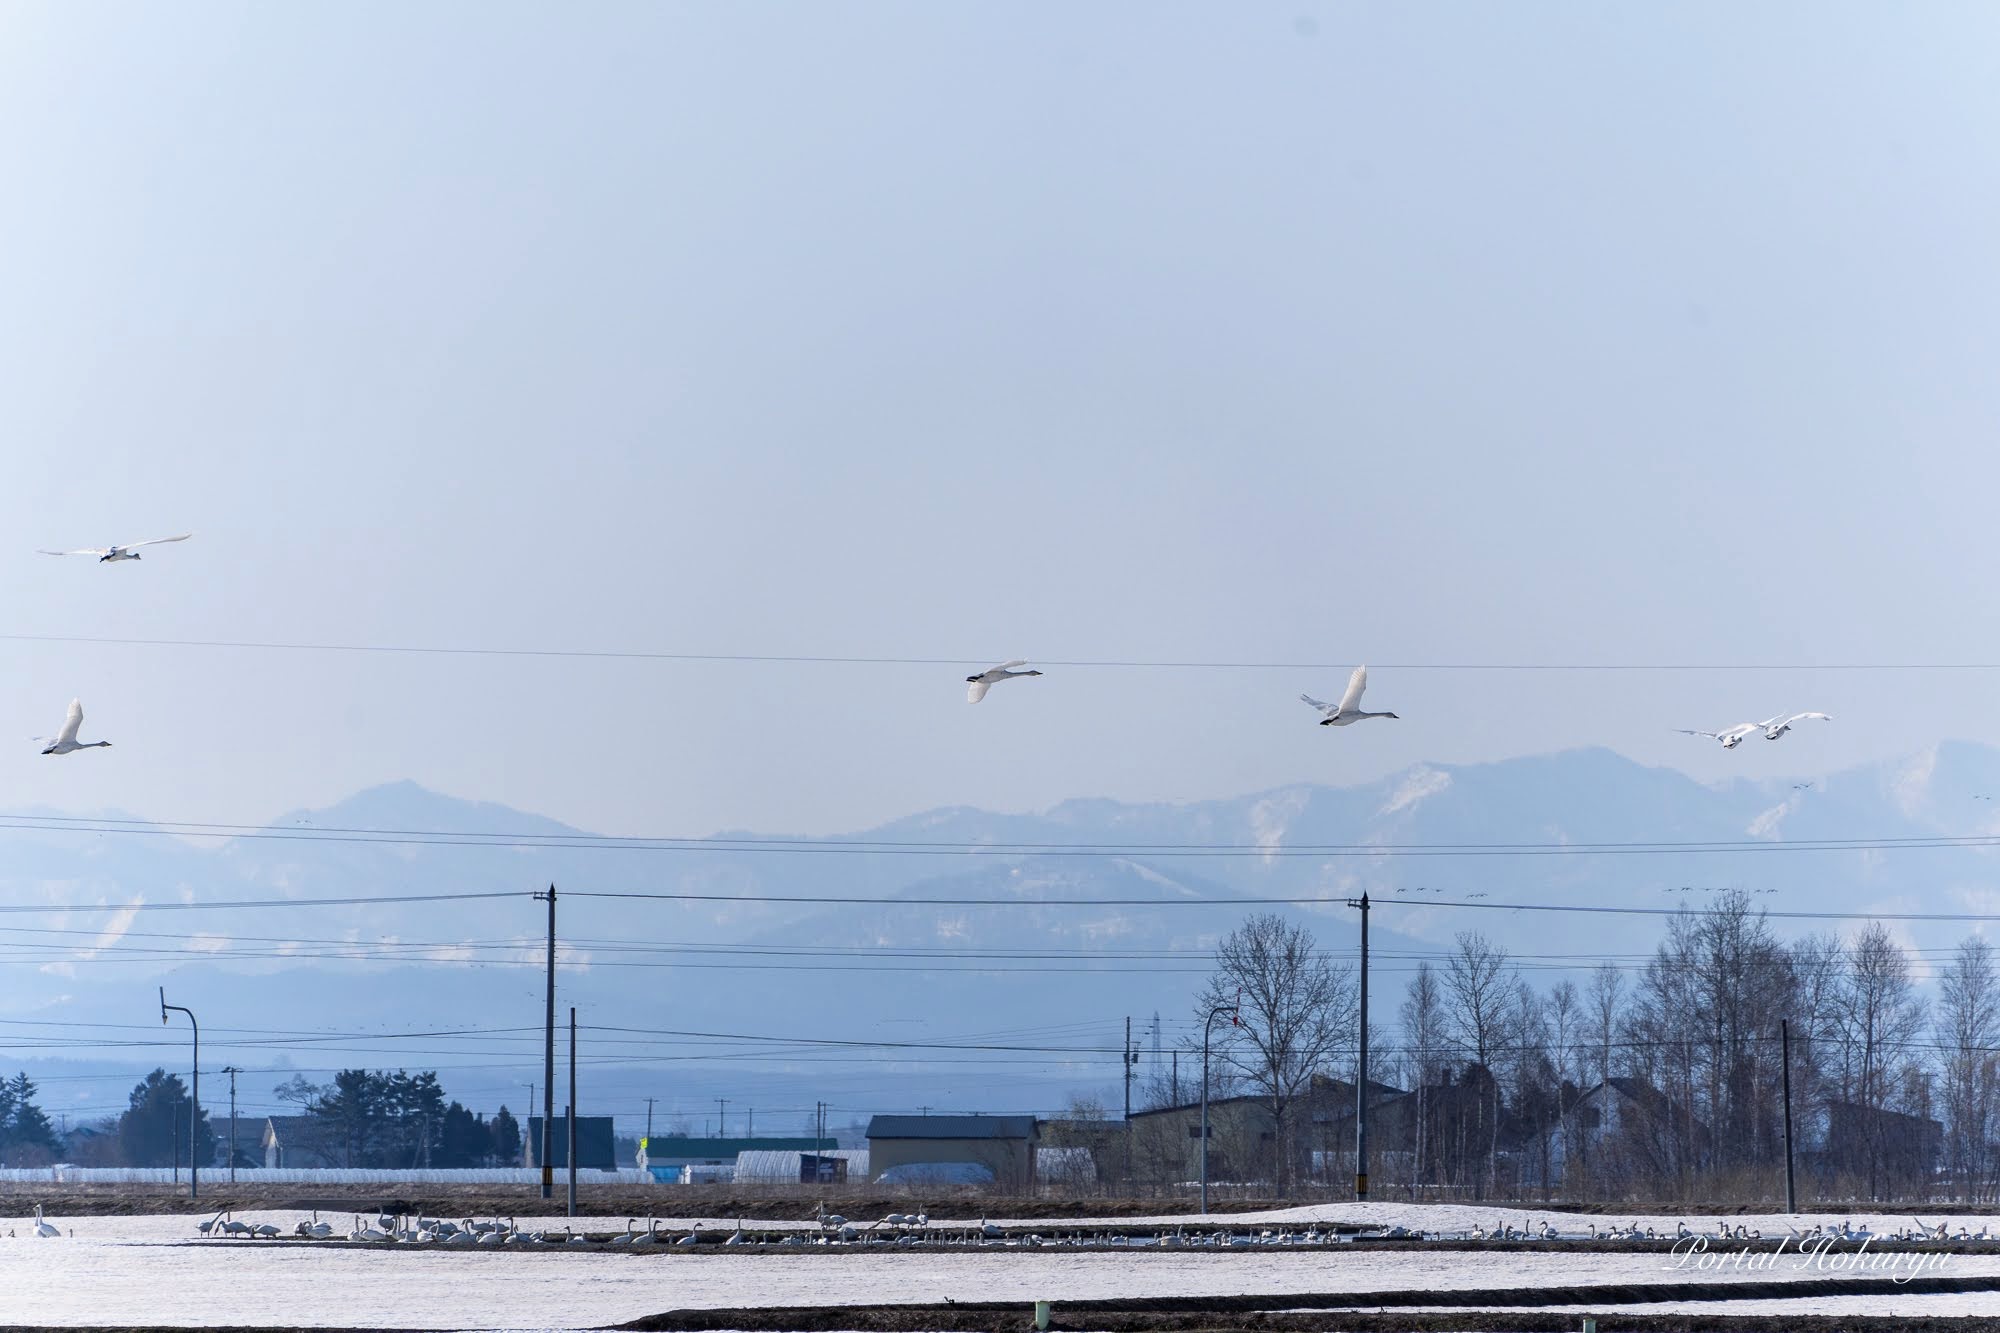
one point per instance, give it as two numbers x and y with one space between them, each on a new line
1968 1020
1880 1016
1423 1058
1296 1012
1482 1001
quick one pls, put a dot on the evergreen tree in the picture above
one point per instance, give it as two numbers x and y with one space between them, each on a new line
351 1110
416 1108
506 1132
154 1127
467 1140
26 1128
376 1118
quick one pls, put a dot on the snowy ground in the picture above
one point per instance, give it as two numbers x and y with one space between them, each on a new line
1448 1219
150 1270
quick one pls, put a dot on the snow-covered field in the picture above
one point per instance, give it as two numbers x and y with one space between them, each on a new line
151 1270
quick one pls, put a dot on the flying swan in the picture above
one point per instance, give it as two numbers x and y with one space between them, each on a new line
129 551
976 686
1348 710
67 741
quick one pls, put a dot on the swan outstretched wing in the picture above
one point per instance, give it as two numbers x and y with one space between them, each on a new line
155 541
1355 684
1786 721
71 722
976 690
1712 735
1320 704
88 550
1009 666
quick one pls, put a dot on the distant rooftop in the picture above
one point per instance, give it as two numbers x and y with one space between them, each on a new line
952 1127
662 1146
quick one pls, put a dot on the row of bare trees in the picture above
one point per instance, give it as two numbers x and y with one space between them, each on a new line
1656 1077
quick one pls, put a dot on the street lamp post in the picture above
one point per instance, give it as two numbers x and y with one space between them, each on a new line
1229 1009
194 1098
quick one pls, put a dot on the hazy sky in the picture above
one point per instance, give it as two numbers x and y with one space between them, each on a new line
1263 333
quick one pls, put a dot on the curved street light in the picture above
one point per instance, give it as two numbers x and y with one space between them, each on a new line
194 1097
1231 1010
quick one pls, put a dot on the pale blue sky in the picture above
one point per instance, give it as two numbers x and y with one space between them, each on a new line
1299 332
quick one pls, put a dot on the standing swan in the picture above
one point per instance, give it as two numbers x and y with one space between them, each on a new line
44 1230
1348 711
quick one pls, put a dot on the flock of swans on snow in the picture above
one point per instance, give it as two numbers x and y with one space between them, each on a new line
416 1229
1349 711
906 1229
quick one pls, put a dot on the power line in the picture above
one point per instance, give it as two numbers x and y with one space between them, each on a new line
808 659
18 909
849 900
577 841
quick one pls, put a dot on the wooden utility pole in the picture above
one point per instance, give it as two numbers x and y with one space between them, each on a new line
572 1111
1361 1066
549 1061
232 1071
1131 1059
1785 1046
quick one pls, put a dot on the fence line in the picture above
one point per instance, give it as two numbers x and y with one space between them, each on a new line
260 1175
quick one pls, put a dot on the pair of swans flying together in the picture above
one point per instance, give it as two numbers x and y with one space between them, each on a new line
1345 713
1772 727
65 741
129 551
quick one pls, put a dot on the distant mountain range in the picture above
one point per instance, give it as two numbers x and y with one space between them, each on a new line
727 965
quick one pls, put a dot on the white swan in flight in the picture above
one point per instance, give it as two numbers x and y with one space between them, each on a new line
67 741
1348 710
129 551
1731 738
976 686
1779 725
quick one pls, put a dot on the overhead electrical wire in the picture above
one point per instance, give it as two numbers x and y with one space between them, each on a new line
828 659
1017 902
576 841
